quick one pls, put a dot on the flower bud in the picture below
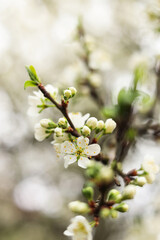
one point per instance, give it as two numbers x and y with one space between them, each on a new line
62 122
92 122
105 212
79 207
67 94
45 122
73 91
105 175
88 192
58 131
140 181
110 125
93 169
114 213
100 125
129 192
122 207
114 195
86 131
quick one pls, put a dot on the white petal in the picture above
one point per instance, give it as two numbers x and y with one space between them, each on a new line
82 142
69 159
68 233
85 117
83 162
92 150
68 147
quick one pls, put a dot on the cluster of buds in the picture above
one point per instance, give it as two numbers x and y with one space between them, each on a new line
107 127
69 93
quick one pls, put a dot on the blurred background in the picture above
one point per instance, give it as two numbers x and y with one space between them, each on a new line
34 187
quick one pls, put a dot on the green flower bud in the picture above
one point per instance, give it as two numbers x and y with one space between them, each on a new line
105 212
45 122
93 169
114 195
122 207
88 192
114 213
79 207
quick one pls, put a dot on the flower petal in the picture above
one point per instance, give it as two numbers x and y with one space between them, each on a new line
68 147
69 159
82 142
92 150
83 162
68 233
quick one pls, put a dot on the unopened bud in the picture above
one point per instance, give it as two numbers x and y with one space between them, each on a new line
67 94
73 91
129 192
141 181
106 175
122 207
79 207
114 195
114 213
86 130
105 212
45 122
88 192
92 122
100 125
62 122
58 131
110 125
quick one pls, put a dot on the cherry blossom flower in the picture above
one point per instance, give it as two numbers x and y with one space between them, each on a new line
79 151
79 229
40 132
77 119
150 168
38 98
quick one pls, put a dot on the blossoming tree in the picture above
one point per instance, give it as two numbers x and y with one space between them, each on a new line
82 140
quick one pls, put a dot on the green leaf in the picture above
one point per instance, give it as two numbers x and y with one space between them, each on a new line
30 84
140 74
32 74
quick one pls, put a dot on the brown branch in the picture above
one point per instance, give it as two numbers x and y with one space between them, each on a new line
62 107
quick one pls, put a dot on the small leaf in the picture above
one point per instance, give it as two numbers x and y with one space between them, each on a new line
30 84
32 74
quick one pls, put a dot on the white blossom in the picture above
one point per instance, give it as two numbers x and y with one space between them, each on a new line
79 229
78 120
79 151
38 98
92 122
40 132
150 168
110 125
